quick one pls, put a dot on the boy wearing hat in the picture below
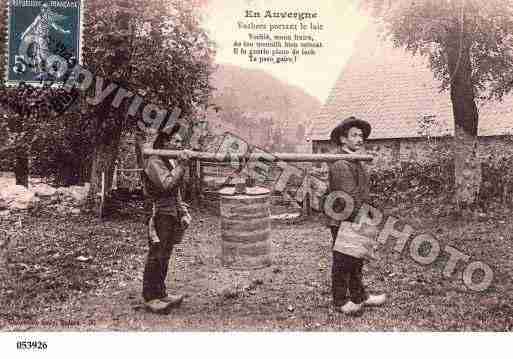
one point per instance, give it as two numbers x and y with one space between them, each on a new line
349 252
162 179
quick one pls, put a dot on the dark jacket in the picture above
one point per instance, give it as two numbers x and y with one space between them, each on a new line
162 185
352 178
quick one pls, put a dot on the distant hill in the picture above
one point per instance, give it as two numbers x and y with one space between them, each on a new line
261 109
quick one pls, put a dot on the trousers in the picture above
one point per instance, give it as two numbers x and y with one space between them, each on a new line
346 276
156 267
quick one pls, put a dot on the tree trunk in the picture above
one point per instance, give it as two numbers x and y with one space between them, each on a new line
467 166
21 170
104 157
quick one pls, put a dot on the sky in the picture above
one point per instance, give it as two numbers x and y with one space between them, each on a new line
315 74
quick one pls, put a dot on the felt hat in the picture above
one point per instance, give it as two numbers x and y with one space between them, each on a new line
154 136
346 124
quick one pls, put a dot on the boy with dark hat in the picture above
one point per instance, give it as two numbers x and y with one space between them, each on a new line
162 179
349 250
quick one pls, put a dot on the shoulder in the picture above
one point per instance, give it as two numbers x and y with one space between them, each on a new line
154 162
155 159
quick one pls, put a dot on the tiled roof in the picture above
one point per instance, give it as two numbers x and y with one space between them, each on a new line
392 89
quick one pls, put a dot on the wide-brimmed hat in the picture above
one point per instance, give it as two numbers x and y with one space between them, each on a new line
153 136
346 124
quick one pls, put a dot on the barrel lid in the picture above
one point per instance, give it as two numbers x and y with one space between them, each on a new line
250 191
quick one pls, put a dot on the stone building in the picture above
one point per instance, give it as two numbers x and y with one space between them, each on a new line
411 117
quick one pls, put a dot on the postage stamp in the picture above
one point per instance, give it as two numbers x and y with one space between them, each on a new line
41 33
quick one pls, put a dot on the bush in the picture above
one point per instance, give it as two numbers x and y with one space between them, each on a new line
497 182
7 162
63 154
411 182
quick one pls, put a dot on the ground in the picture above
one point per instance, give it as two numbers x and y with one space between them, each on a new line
79 273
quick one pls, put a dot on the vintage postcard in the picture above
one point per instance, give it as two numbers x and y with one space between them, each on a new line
255 165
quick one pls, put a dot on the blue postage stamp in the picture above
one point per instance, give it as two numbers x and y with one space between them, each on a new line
44 39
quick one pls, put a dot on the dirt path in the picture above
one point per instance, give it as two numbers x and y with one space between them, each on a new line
103 293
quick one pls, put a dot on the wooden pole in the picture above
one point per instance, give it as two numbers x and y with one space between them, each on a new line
286 157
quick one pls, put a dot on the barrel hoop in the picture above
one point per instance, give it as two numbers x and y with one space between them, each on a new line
244 212
252 250
245 224
248 237
244 217
246 262
246 202
260 262
210 195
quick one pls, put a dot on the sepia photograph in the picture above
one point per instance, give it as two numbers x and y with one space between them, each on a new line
255 166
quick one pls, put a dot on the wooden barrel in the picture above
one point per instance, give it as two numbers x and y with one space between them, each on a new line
245 228
213 177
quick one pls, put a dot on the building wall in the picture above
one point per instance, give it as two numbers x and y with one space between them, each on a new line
392 152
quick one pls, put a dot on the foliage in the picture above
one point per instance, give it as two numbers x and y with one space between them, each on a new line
35 123
424 182
154 48
497 176
411 182
468 43
27 110
63 153
427 27
167 56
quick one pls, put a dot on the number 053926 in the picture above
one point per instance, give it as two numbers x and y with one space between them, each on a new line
31 345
